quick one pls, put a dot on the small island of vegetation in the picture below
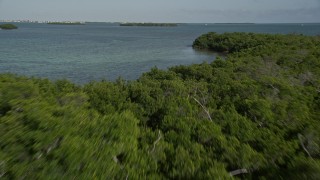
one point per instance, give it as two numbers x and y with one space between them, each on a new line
150 24
253 115
8 26
66 23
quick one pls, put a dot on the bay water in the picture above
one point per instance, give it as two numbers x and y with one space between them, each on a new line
95 51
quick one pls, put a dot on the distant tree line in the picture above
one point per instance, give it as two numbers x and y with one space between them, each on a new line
150 24
66 23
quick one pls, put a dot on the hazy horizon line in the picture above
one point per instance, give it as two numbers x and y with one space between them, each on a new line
91 21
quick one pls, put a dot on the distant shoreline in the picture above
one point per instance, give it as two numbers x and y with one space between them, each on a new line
150 24
66 23
235 23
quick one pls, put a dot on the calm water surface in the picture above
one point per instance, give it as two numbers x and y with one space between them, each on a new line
95 51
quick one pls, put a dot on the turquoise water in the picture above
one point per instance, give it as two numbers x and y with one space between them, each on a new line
95 51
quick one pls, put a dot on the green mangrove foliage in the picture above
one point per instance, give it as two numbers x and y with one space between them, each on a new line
254 115
8 26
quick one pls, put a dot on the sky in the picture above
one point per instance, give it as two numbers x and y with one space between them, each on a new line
179 11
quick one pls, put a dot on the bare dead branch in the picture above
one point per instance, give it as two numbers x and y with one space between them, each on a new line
157 141
273 87
46 151
238 171
2 169
115 159
204 108
54 145
302 145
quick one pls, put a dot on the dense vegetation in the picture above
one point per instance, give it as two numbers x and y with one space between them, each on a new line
8 26
254 115
149 24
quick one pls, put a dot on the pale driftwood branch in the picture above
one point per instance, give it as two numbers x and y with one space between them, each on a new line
238 171
204 108
115 159
54 145
51 147
272 86
2 172
302 144
157 141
